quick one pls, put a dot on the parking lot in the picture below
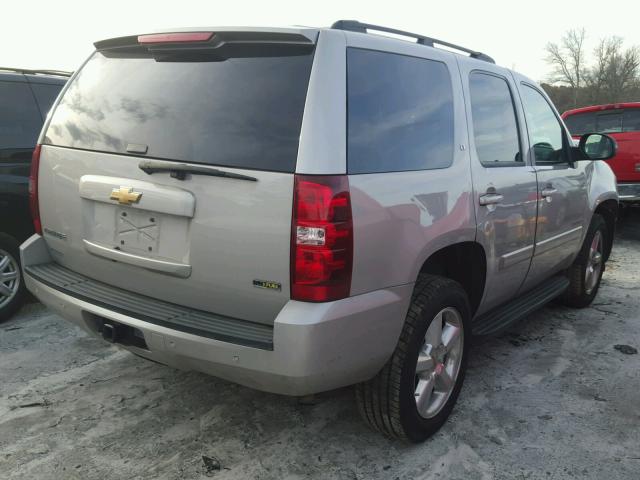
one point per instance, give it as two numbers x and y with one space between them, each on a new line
553 398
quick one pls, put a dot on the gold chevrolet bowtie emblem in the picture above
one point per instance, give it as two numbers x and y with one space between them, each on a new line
125 195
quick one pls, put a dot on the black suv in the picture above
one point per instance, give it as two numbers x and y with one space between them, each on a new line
25 99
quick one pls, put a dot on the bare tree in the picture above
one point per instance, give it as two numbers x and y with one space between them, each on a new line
567 60
615 71
613 76
596 78
623 71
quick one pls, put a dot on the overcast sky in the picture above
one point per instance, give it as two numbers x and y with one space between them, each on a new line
59 34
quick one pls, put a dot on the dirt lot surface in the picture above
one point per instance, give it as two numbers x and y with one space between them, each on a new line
551 399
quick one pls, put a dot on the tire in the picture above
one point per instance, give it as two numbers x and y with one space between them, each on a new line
12 289
584 281
389 401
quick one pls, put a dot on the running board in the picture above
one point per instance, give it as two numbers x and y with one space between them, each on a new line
500 318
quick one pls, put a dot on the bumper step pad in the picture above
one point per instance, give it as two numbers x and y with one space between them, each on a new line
158 312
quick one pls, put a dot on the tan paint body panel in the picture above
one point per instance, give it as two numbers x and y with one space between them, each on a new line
228 231
157 198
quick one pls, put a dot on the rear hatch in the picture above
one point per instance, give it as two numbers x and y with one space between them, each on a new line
168 165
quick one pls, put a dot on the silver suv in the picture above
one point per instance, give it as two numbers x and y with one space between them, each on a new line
297 210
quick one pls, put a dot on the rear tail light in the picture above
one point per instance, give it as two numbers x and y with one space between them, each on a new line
178 37
33 190
322 238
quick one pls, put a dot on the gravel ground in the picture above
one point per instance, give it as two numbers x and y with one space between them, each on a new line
551 399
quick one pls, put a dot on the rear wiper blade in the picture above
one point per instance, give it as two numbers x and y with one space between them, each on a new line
180 170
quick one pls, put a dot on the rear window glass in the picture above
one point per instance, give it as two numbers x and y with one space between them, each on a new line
400 113
20 120
238 112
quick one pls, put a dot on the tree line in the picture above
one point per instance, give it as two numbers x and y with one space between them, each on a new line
610 75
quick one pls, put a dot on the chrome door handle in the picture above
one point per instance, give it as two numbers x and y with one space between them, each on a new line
491 198
547 192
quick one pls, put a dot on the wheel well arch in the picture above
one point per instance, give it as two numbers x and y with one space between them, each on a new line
609 211
464 262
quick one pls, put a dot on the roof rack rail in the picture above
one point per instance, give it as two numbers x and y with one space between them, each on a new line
356 26
28 71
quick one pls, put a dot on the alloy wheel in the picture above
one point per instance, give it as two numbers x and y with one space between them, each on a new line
594 263
9 278
439 362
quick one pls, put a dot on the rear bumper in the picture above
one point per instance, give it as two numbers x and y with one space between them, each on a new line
316 347
629 192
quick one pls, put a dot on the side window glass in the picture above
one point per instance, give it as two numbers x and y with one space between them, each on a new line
45 95
631 121
495 129
581 123
20 120
545 131
609 123
399 113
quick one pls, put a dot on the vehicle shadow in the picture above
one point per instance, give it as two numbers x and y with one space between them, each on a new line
628 227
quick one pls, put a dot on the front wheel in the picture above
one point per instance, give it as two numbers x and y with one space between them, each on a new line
587 269
414 393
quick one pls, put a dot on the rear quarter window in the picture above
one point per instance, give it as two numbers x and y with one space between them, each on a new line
400 113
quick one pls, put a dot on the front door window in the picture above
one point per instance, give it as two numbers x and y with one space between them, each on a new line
546 135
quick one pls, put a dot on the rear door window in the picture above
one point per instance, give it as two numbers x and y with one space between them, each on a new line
243 112
495 129
20 120
400 113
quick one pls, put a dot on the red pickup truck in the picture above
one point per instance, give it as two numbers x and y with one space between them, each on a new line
622 122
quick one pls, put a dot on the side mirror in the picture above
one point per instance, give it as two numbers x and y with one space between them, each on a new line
597 146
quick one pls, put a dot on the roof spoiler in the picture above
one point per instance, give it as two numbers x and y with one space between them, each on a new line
198 40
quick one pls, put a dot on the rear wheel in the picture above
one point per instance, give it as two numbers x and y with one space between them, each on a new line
587 269
414 393
12 288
